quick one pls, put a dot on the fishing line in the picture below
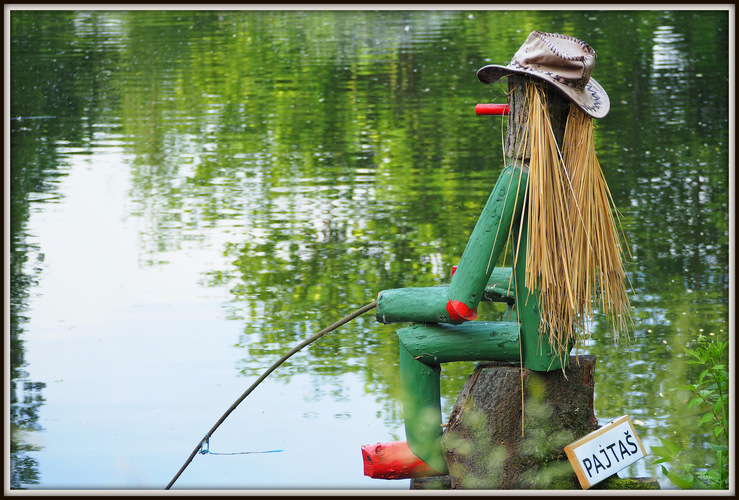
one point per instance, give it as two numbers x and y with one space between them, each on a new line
205 450
199 447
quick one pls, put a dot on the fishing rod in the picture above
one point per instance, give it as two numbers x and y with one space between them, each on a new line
269 370
480 109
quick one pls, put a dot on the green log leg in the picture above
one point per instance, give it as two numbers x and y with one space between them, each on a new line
417 305
486 243
421 394
538 354
473 341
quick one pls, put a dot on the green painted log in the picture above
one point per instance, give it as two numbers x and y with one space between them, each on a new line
420 386
417 305
501 278
472 341
538 354
486 243
430 304
500 286
510 313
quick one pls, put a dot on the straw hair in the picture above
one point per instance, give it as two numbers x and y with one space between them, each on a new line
549 237
597 252
574 254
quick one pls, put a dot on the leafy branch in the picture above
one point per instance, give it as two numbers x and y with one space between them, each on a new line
712 393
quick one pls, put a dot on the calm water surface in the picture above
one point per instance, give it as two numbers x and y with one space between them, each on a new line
194 193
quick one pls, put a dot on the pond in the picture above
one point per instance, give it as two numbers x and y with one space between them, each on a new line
193 193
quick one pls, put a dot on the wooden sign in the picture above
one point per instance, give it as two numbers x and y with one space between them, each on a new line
604 452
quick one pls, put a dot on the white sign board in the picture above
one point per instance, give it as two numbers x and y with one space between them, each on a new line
604 452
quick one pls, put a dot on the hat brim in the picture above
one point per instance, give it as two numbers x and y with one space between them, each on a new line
593 99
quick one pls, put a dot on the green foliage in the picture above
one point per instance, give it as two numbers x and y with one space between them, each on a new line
620 483
484 461
487 459
712 396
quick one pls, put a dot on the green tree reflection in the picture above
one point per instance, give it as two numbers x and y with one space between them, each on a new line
339 153
347 159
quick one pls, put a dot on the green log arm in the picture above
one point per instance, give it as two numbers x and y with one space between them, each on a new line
416 305
429 304
486 243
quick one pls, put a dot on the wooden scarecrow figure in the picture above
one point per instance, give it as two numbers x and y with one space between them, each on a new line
552 208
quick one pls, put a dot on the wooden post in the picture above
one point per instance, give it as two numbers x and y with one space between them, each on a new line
518 116
489 445
538 353
518 119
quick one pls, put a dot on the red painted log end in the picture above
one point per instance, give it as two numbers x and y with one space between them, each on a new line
394 460
491 109
459 311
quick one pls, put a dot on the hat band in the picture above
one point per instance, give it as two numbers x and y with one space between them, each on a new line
578 85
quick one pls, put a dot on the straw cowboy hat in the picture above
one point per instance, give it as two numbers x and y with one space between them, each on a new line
561 60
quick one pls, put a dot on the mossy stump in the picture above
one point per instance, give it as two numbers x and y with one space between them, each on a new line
489 444
612 483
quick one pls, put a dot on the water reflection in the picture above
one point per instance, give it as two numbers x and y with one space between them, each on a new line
26 395
26 263
330 155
